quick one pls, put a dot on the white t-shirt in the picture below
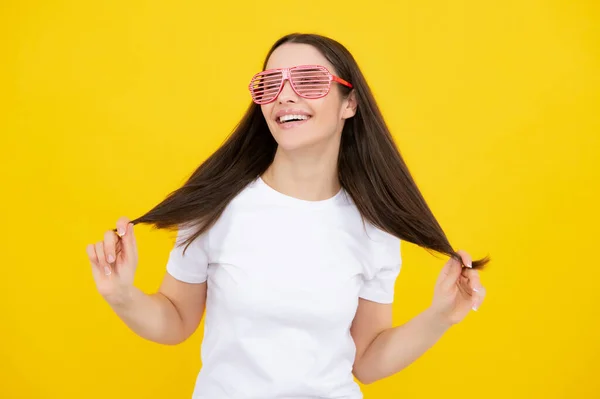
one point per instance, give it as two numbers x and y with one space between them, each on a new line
284 277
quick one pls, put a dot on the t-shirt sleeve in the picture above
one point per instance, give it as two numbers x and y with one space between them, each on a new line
193 266
380 276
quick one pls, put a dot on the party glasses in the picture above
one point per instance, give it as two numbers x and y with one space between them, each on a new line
308 81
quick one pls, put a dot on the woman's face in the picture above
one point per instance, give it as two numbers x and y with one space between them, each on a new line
326 115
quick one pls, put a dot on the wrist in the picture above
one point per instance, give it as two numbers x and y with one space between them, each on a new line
436 321
121 299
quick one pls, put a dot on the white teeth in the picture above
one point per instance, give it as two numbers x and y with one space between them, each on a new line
286 118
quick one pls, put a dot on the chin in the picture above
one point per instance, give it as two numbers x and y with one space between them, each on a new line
301 137
290 142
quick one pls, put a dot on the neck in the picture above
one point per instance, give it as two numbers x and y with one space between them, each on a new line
310 175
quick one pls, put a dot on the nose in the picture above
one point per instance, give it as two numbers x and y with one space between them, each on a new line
287 93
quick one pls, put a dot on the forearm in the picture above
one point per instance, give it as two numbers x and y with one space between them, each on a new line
151 316
397 347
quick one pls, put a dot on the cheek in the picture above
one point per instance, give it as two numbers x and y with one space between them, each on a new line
266 110
328 112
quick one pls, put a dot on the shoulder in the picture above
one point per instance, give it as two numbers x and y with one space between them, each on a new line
382 247
372 235
248 197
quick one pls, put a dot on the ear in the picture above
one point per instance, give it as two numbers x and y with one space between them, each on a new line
350 105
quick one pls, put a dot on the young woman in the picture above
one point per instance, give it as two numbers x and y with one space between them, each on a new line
289 236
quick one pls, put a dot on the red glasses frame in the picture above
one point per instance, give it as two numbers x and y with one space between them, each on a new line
286 74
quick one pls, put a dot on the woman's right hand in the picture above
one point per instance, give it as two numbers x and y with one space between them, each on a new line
114 261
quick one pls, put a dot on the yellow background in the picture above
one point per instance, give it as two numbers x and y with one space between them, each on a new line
107 106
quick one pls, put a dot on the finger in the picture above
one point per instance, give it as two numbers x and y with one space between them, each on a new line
105 267
444 272
129 245
466 258
473 286
473 279
464 288
448 267
97 270
122 226
452 274
479 297
90 249
110 246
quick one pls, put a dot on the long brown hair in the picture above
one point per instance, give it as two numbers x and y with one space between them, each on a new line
370 167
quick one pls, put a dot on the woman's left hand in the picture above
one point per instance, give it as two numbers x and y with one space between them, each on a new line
457 291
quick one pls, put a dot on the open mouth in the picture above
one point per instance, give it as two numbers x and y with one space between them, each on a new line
292 120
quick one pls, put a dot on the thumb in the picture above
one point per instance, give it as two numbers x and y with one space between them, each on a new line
450 273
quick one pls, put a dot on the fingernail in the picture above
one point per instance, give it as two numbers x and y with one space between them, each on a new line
476 289
111 258
107 270
121 231
474 308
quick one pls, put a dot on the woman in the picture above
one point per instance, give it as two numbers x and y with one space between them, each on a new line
289 235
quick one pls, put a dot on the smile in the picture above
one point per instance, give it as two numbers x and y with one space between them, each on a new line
291 121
